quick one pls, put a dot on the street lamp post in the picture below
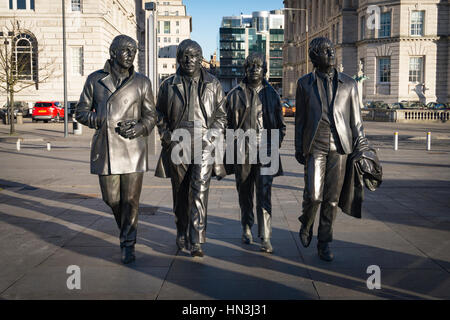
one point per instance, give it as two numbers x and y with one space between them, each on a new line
152 60
152 44
64 70
307 35
7 62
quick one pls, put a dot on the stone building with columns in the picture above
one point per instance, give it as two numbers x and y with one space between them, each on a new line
90 27
402 44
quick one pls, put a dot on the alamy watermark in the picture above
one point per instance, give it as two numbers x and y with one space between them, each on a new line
374 281
74 280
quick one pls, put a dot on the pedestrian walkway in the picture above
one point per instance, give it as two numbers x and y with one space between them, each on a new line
52 217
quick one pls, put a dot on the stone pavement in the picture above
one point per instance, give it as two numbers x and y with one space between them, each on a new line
52 216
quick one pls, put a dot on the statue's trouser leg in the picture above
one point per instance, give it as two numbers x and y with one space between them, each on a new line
110 187
334 178
246 191
312 194
200 177
122 193
264 204
180 190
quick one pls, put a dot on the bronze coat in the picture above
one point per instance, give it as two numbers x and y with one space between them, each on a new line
171 105
346 113
101 107
272 114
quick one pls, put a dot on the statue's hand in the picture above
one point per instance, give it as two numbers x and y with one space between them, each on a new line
135 131
300 158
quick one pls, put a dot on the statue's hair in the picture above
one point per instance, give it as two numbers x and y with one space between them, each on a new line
121 41
316 45
188 43
256 56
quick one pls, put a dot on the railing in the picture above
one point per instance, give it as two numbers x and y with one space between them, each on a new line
433 115
406 115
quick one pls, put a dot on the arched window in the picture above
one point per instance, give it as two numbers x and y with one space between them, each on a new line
25 57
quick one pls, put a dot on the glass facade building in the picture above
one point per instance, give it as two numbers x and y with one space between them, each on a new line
242 35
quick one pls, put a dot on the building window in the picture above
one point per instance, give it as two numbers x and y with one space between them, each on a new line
363 28
25 58
166 13
384 70
165 39
77 60
178 40
178 31
23 54
177 13
333 33
76 5
417 18
416 69
385 25
159 39
165 66
337 32
178 23
21 4
166 26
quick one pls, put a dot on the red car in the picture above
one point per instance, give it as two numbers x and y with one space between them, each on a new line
47 110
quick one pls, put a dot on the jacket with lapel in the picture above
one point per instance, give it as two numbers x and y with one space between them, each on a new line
346 113
171 106
102 106
236 105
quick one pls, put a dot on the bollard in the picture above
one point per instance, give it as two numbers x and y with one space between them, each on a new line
395 140
428 141
18 145
49 146
19 118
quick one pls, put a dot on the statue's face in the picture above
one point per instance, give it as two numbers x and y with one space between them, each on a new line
326 57
255 71
190 61
124 55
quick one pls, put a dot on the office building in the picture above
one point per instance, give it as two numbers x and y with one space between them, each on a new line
262 31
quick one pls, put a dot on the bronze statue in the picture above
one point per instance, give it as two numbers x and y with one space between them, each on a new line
189 99
328 128
255 105
118 102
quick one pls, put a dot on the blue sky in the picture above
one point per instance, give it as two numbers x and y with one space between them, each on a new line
207 16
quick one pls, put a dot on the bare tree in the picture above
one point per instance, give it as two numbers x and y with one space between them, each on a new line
18 64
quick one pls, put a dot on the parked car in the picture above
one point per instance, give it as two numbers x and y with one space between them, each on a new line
397 105
436 106
377 104
288 107
48 110
19 107
416 105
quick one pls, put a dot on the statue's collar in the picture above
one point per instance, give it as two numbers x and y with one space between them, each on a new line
205 77
314 75
108 69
